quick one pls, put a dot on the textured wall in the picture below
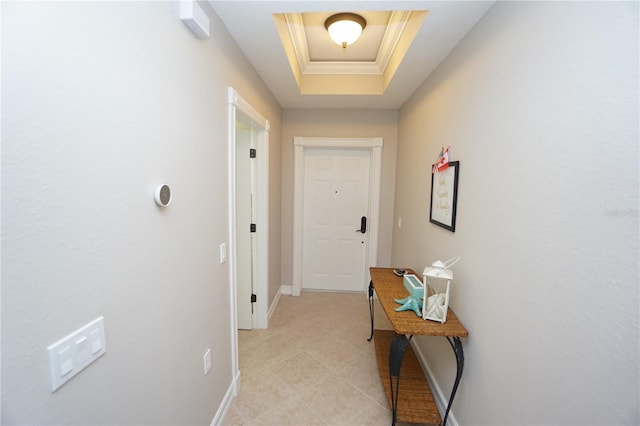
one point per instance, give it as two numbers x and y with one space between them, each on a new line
102 102
539 103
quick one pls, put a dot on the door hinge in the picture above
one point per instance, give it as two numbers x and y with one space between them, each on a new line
253 298
252 153
253 227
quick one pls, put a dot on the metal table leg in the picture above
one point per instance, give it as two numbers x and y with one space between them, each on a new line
371 308
456 345
396 355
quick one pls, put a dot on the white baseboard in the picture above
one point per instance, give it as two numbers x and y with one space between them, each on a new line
438 395
290 290
285 289
274 304
229 396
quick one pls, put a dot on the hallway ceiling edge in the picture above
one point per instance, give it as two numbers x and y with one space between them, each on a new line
253 25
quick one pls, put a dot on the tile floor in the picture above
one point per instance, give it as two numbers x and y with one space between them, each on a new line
312 366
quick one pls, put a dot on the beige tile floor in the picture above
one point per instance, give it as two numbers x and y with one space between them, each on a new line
312 366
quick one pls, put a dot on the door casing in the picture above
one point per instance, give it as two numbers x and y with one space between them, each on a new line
374 145
241 110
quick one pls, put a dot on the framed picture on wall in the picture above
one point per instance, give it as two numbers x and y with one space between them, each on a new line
444 196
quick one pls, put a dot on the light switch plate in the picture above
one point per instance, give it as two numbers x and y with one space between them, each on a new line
69 355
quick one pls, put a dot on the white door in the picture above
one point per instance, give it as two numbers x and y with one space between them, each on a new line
245 246
336 199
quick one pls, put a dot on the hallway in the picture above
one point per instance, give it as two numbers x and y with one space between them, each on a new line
105 103
313 366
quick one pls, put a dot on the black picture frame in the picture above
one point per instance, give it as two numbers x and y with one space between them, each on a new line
444 196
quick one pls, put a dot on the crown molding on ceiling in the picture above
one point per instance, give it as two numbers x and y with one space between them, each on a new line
395 29
393 33
322 74
295 29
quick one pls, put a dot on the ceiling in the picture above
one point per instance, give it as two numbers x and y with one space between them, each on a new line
403 42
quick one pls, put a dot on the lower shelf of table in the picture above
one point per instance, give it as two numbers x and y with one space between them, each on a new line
415 400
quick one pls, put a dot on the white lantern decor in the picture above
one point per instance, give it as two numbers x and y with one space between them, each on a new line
437 282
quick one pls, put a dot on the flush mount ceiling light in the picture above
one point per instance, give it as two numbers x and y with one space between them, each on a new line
345 28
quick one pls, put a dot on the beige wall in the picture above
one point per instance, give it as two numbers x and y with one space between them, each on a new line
102 102
338 123
539 103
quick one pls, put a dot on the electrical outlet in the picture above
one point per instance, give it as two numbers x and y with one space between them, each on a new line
207 361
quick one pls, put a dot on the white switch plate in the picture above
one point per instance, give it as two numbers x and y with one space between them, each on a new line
69 355
207 361
223 252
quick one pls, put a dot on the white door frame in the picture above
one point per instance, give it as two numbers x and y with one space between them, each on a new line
239 109
374 145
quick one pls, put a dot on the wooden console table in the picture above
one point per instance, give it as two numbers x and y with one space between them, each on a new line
415 404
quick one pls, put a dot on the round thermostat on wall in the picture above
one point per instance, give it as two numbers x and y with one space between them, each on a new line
163 195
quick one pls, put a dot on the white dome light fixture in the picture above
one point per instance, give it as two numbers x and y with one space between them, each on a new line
345 28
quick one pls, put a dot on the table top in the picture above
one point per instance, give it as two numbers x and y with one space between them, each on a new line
389 286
